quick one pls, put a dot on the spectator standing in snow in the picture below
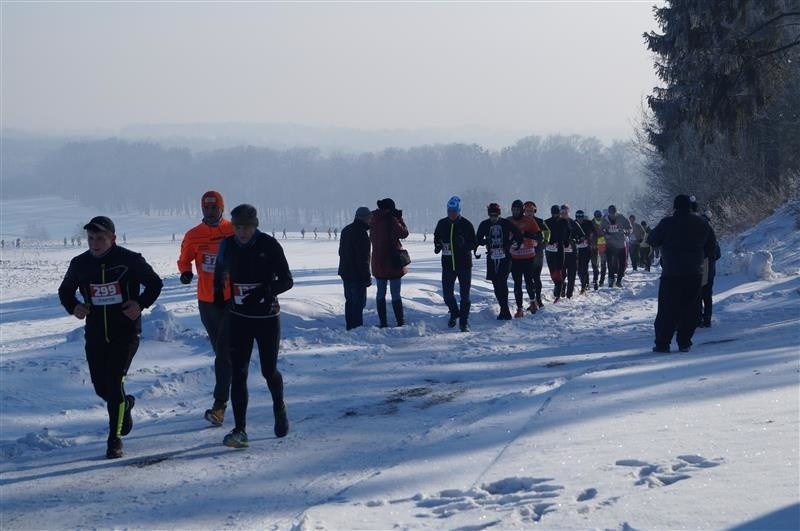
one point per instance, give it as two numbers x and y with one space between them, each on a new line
684 240
354 251
387 228
110 280
200 245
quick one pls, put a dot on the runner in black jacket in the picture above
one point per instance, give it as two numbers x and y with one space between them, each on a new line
257 270
454 237
110 280
498 235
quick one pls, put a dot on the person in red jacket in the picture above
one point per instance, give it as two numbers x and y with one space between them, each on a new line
522 258
387 228
200 245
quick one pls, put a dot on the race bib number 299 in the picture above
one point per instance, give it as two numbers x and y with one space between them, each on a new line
105 294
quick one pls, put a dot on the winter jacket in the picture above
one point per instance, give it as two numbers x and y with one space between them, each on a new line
106 283
498 238
637 233
531 237
200 244
560 234
685 239
354 248
456 241
601 240
386 230
615 230
589 237
257 264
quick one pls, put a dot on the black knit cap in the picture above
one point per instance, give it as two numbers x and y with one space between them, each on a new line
682 202
386 204
244 214
100 224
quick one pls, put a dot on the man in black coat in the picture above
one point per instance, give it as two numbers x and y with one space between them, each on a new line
354 252
684 240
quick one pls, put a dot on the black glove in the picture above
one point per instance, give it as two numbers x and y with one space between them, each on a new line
255 295
186 277
437 248
219 298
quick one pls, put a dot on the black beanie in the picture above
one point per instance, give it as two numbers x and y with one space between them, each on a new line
555 210
682 202
386 204
244 214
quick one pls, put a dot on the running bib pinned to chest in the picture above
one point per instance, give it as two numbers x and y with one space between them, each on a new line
612 228
582 245
105 294
552 248
240 291
446 251
209 262
498 254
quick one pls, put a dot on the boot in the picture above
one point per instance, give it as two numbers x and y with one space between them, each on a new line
114 448
519 313
464 324
281 422
381 307
397 306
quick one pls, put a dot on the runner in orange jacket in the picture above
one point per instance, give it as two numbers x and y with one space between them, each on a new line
200 245
522 258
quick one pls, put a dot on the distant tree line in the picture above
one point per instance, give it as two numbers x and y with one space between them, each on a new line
301 187
726 124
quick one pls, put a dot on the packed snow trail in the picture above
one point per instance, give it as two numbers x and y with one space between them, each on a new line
563 419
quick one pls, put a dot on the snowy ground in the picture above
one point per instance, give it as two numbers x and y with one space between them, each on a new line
562 420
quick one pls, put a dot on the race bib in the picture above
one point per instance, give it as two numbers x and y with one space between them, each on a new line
612 229
552 248
209 262
240 291
568 249
105 294
446 251
498 254
583 245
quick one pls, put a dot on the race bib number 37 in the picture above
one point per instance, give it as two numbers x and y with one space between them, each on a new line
105 294
209 262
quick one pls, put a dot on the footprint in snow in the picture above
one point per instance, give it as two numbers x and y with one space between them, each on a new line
653 475
531 498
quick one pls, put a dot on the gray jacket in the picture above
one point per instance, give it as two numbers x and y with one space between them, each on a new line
615 231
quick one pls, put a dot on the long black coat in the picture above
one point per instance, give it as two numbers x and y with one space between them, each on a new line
685 239
354 249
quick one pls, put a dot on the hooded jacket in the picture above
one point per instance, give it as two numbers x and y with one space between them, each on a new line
455 239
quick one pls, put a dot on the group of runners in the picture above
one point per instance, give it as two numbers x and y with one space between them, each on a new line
241 271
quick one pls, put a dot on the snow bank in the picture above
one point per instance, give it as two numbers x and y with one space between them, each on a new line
766 251
42 441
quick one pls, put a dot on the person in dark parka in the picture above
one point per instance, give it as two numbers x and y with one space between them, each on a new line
387 228
684 240
354 249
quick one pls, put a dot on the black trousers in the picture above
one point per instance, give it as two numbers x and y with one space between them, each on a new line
570 270
108 365
635 255
524 269
266 334
617 262
555 263
217 324
646 257
538 264
497 271
677 309
596 257
464 277
584 254
706 303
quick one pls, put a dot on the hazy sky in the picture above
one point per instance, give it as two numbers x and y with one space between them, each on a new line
542 67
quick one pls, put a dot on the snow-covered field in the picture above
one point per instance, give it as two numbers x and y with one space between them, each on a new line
561 420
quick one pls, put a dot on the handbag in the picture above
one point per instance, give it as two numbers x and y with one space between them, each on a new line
399 257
